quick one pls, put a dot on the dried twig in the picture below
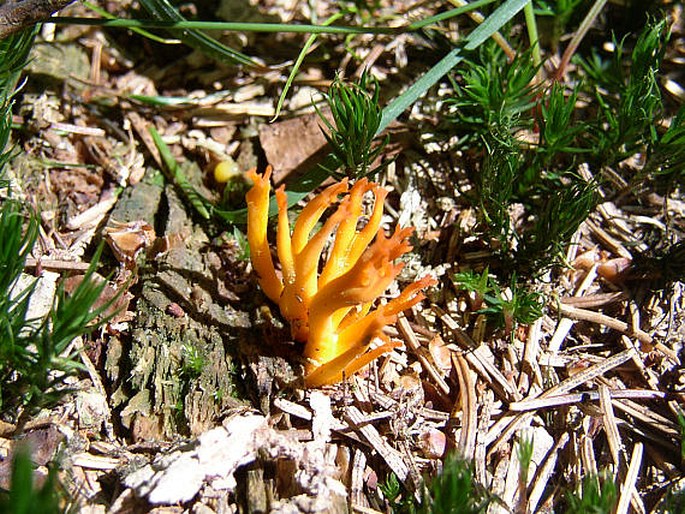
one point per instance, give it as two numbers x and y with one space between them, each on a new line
469 407
18 14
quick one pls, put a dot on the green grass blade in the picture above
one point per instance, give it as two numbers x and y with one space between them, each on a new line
492 24
163 10
448 14
141 32
184 25
200 203
298 63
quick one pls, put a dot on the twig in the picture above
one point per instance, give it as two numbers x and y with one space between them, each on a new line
413 343
610 428
628 491
469 407
578 37
603 319
585 396
16 15
545 472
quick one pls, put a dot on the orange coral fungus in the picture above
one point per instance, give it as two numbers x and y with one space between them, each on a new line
329 305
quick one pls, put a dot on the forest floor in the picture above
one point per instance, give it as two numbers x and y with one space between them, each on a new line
191 397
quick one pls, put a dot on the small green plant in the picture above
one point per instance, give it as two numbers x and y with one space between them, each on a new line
356 116
561 214
193 361
478 284
598 495
398 499
495 97
667 155
454 491
508 308
515 307
35 359
25 497
558 130
629 101
525 455
243 246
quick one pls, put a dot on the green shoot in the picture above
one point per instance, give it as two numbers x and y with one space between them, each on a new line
24 496
533 38
525 456
494 96
560 216
243 246
178 178
398 499
35 359
518 306
477 284
356 117
515 307
598 495
558 133
632 101
668 154
454 491
193 361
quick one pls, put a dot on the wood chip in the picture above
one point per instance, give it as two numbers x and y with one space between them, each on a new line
629 494
545 471
392 457
610 428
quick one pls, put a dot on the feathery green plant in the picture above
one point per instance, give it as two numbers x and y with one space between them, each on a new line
666 160
518 306
597 495
454 490
496 96
35 359
356 113
629 99
558 129
559 217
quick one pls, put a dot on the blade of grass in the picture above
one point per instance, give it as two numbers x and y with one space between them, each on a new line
462 9
497 37
163 10
183 25
142 32
177 177
533 38
298 63
492 24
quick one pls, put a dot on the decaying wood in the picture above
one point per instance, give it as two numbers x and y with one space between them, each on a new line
16 15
